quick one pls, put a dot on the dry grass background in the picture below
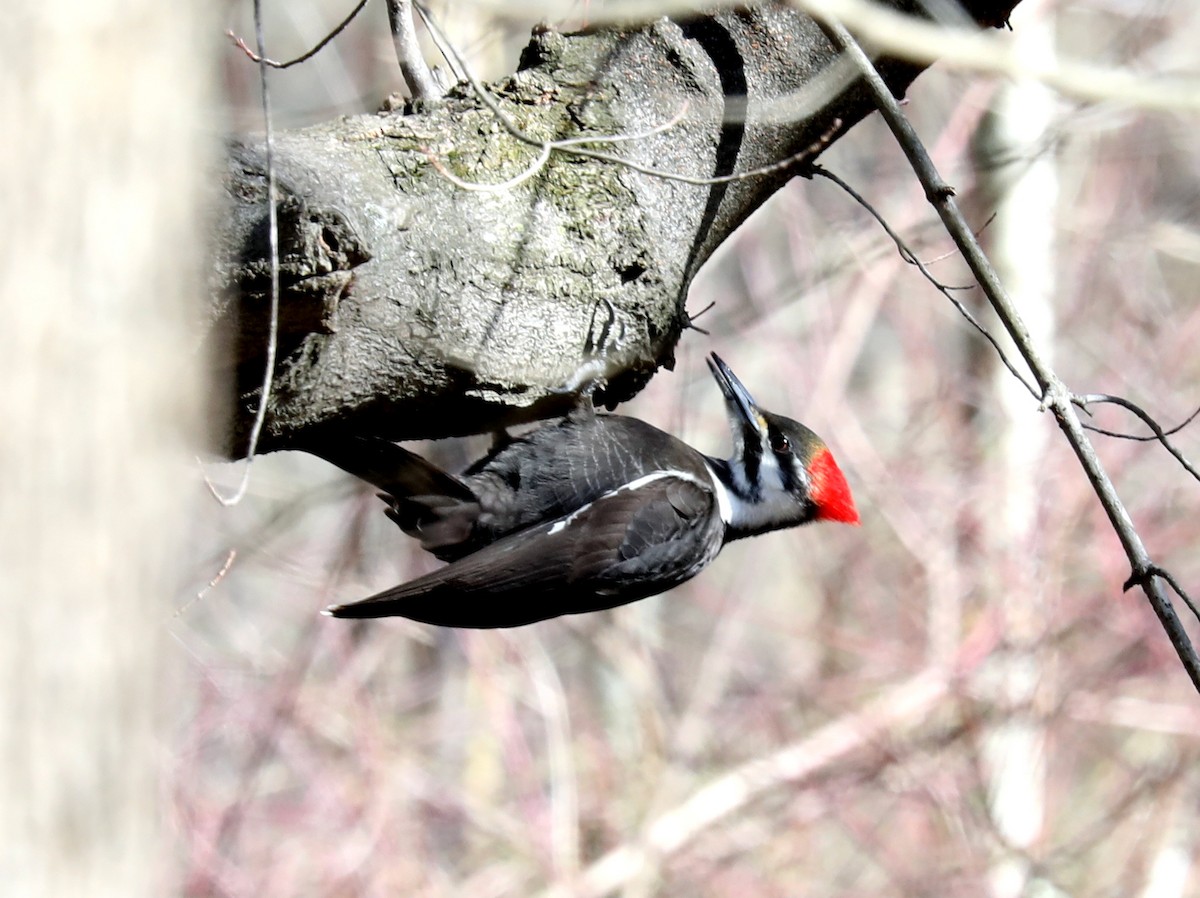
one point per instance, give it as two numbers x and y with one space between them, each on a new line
941 702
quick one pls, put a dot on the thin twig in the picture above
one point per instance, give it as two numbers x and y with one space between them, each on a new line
260 414
1159 434
543 156
691 319
1155 571
911 258
262 59
408 51
1055 395
1086 398
954 252
212 584
440 41
498 187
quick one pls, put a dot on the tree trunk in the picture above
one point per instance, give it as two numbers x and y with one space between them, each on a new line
103 112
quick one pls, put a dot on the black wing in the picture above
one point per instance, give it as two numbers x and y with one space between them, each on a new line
629 544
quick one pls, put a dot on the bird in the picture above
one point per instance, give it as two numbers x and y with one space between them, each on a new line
589 511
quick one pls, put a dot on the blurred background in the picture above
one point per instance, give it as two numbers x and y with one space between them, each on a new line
954 699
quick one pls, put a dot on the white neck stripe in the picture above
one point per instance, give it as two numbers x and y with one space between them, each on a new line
724 505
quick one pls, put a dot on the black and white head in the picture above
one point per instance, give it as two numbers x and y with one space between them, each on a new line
781 474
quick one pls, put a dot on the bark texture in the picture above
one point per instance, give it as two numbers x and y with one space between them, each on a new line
415 308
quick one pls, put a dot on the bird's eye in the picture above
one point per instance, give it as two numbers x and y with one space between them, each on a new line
780 444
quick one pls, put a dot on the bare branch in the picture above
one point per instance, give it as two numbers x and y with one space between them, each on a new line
211 585
691 322
1159 434
1055 394
954 252
957 44
910 257
264 397
443 45
1088 398
413 67
1155 571
259 57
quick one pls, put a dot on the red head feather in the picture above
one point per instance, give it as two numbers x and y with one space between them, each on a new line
829 491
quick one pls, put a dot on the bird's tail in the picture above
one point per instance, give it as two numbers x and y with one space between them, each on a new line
424 501
390 468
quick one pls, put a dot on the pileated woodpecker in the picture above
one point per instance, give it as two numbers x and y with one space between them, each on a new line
589 512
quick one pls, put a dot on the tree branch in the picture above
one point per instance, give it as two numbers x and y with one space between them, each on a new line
272 335
260 56
1055 394
413 67
910 257
1159 434
413 308
957 44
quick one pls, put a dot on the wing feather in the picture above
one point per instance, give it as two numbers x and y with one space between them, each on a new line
628 544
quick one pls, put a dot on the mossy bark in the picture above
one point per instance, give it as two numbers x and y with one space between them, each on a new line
412 307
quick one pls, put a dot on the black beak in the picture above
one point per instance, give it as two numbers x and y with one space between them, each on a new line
743 410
